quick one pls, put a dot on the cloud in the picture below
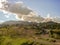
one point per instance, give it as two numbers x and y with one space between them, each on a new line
16 16
1 21
21 11
17 7
48 15
7 16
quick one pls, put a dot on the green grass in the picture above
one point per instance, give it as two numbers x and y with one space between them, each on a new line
11 41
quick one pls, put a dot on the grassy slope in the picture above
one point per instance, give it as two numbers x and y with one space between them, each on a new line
25 35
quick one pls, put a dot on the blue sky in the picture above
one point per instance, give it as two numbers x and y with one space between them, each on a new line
42 7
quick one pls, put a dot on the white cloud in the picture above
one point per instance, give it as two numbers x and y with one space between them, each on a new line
21 11
48 15
2 0
17 7
7 16
17 17
1 21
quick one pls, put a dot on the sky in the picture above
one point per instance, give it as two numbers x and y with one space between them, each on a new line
42 7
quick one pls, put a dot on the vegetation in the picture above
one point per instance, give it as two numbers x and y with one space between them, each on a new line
29 33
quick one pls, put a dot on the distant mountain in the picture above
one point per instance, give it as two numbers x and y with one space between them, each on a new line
35 25
18 22
33 21
14 22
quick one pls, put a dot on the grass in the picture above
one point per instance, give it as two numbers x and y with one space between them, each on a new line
11 41
13 36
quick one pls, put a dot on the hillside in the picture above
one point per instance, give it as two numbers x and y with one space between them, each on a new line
29 33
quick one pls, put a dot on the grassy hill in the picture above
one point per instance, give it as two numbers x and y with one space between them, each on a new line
29 33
